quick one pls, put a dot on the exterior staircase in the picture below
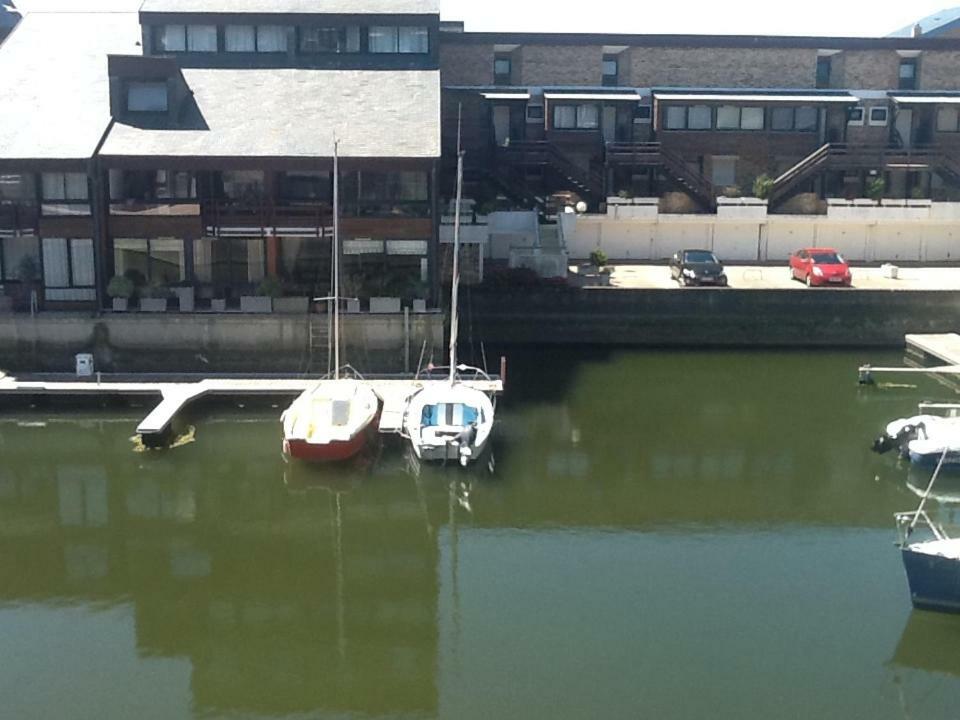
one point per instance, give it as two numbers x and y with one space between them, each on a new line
653 154
543 154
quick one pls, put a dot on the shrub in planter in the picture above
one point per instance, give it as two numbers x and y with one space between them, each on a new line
875 189
121 289
763 186
598 258
270 287
155 299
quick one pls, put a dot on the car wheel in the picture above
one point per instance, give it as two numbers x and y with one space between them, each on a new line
793 275
809 279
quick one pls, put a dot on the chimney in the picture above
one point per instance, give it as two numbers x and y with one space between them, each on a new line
917 31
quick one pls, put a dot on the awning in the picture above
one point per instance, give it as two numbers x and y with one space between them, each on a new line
793 99
506 96
596 97
926 99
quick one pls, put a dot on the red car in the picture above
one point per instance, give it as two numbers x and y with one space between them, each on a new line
820 266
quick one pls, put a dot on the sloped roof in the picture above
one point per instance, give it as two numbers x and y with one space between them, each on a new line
933 25
8 15
254 113
54 82
310 7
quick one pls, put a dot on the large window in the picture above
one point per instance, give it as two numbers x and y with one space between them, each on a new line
68 269
186 38
201 38
405 39
948 119
675 117
157 261
503 70
307 187
699 117
824 69
243 185
250 39
330 39
576 117
908 74
386 194
384 39
147 97
14 252
799 119
229 262
611 70
271 39
68 187
414 39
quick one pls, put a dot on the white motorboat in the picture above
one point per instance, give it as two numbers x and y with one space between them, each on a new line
924 439
451 420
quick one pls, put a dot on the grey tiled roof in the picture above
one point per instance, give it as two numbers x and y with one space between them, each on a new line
349 7
295 113
54 84
932 25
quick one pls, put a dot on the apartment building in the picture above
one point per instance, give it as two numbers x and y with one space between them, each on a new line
193 143
602 114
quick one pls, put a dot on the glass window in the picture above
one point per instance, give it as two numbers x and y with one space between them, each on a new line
352 39
76 185
166 261
878 116
383 39
201 38
724 171
172 38
244 185
414 40
320 40
130 260
700 117
64 186
588 117
807 118
68 269
314 186
611 68
147 97
17 187
855 116
948 119
502 67
82 266
751 118
676 117
728 117
229 261
781 119
908 70
271 39
15 250
564 117
175 185
56 263
240 38
824 67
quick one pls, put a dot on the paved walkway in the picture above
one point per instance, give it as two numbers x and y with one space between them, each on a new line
769 277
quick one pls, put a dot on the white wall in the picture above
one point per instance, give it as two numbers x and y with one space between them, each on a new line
896 232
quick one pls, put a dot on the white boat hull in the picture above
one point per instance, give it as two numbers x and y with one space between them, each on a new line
449 423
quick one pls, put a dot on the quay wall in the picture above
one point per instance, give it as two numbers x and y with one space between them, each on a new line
139 342
711 318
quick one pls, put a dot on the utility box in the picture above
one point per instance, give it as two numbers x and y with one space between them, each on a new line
84 365
891 272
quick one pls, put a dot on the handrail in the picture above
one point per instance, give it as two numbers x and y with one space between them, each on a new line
544 152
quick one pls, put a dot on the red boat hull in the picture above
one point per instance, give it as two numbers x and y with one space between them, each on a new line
331 452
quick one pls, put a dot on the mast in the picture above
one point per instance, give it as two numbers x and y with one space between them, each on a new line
336 259
454 310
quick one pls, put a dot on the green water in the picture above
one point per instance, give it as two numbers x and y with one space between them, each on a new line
668 535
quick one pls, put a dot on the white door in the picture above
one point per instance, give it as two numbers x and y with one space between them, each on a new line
501 124
905 126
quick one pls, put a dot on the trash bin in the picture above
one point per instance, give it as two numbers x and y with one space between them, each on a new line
84 365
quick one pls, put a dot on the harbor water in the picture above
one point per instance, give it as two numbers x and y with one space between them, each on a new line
669 535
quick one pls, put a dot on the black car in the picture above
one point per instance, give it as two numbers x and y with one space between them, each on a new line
697 267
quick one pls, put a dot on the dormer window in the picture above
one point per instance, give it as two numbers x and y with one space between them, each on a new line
260 38
147 97
187 38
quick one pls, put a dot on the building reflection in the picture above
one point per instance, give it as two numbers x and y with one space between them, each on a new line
316 601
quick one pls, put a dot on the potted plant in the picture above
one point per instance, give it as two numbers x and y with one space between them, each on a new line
186 295
269 288
763 186
155 299
285 304
598 260
121 289
875 189
28 273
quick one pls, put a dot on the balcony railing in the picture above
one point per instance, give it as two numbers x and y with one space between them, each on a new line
156 208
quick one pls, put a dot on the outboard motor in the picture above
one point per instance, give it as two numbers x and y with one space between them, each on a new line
885 443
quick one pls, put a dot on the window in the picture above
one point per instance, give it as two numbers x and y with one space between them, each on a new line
175 185
824 66
728 117
14 251
676 118
330 39
502 71
908 74
243 185
229 261
878 117
535 113
807 119
611 70
800 119
65 186
588 117
172 38
414 39
271 39
856 116
781 119
201 38
948 119
157 261
240 38
383 39
644 114
724 170
576 117
565 117
751 118
307 186
147 97
68 269
700 117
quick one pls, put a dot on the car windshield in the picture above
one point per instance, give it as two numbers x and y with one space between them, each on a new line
700 256
827 259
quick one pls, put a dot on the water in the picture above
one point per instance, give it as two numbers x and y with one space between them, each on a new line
668 535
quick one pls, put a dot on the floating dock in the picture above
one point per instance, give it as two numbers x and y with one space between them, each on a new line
942 348
174 397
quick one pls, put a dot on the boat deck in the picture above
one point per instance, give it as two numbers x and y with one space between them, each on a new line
941 548
175 396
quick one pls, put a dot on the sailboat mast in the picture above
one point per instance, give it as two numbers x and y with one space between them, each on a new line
454 309
336 260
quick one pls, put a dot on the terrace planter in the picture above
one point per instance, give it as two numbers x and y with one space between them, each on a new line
256 304
187 299
291 305
153 305
121 304
353 307
419 306
218 305
6 304
385 305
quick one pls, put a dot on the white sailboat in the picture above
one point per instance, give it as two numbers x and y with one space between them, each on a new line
451 420
333 420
